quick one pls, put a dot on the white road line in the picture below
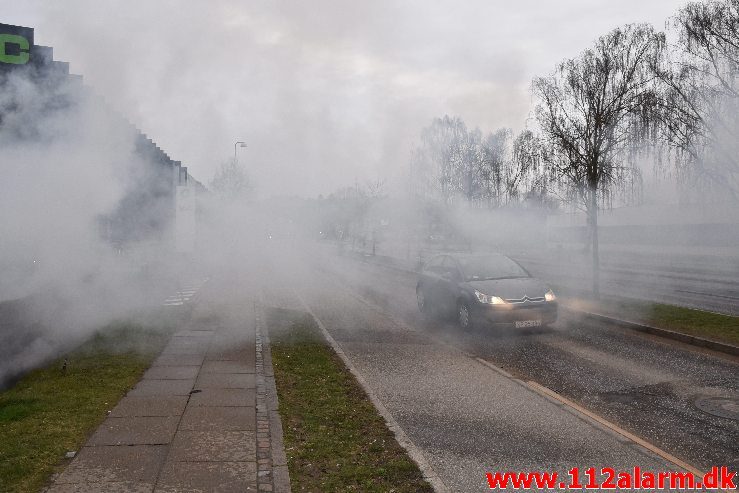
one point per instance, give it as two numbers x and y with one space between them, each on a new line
547 392
185 293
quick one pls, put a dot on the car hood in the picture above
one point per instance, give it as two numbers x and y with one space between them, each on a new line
511 289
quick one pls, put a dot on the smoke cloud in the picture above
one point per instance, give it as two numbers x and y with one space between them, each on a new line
325 93
330 99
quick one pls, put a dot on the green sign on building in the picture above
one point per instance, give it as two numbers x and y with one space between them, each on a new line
16 43
21 44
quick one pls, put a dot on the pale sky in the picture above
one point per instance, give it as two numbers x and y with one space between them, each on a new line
325 92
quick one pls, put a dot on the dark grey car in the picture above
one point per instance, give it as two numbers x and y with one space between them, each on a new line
482 290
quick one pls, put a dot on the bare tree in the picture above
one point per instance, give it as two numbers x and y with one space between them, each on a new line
453 163
700 101
492 165
467 165
375 189
346 210
593 111
442 142
530 175
231 181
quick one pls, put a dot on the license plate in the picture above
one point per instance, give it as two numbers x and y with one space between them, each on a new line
528 323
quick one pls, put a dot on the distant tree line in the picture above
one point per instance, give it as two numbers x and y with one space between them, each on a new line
231 181
629 96
454 163
345 211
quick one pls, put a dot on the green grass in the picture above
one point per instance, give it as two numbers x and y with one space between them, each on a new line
335 439
708 325
50 411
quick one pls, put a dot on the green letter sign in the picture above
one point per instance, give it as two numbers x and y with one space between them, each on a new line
12 39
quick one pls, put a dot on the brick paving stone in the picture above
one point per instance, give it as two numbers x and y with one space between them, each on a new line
137 430
162 388
225 381
180 350
173 405
194 333
137 464
227 354
211 477
220 366
171 373
222 397
196 341
97 487
179 360
227 418
199 446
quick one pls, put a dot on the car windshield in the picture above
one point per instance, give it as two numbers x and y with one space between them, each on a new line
491 267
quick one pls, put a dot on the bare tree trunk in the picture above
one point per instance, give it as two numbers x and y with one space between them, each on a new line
469 184
593 221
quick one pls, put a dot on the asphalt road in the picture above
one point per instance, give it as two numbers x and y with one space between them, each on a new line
704 282
467 419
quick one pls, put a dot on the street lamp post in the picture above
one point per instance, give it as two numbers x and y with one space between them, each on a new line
240 144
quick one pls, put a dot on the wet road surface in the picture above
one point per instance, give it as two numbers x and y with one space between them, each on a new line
468 419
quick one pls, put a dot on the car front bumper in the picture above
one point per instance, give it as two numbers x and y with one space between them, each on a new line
544 312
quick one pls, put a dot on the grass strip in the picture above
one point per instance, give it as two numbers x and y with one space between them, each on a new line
699 323
709 325
335 439
51 411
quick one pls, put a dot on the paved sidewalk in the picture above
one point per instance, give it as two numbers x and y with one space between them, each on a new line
201 419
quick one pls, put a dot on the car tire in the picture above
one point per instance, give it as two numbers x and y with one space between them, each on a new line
422 300
464 316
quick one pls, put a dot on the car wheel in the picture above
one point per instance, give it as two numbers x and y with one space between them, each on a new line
421 299
464 318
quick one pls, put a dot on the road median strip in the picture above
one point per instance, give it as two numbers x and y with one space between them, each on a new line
336 438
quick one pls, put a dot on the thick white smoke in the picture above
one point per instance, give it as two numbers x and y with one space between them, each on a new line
66 163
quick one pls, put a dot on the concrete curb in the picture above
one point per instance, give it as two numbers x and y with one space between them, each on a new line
667 334
593 419
267 411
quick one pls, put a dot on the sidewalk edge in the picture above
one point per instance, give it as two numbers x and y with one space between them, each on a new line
267 411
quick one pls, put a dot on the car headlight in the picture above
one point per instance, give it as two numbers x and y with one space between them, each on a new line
489 300
549 296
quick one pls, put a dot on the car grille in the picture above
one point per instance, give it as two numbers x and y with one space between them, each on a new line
525 299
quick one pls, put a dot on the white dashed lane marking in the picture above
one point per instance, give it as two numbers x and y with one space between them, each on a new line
185 294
